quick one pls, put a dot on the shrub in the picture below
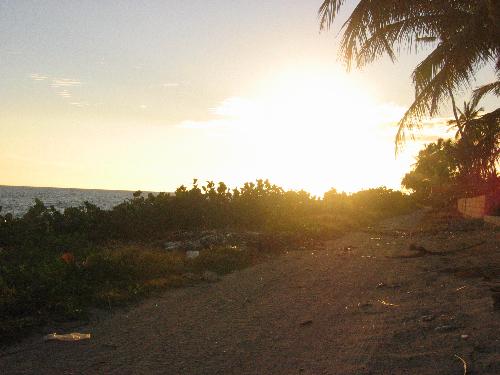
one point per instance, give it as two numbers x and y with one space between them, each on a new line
54 265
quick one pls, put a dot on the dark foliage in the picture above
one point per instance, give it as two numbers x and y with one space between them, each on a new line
55 265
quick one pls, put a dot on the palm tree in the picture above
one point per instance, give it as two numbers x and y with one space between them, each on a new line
464 34
464 121
478 148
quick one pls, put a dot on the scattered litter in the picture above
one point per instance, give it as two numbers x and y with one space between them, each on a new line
463 362
190 254
428 318
375 238
445 328
462 287
385 303
464 337
74 336
306 323
68 257
172 245
381 285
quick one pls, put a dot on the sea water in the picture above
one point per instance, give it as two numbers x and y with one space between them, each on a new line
18 199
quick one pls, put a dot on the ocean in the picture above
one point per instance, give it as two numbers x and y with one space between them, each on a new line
18 199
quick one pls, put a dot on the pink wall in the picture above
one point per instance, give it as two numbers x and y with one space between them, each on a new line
478 206
472 207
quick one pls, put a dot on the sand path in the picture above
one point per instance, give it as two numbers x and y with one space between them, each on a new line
347 308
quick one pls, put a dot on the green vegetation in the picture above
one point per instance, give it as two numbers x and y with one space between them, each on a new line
466 166
55 265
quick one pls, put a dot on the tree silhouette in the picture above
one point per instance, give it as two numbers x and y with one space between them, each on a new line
478 147
463 121
465 35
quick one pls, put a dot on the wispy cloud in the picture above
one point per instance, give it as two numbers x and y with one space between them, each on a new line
170 84
235 107
79 104
65 82
62 87
63 93
38 77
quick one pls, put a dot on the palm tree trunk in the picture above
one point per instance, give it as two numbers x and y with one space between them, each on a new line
454 106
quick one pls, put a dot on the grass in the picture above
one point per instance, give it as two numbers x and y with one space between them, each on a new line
107 277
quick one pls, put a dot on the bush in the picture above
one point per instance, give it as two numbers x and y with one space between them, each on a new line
55 265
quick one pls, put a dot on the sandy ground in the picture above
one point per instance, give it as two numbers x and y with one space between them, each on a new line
362 304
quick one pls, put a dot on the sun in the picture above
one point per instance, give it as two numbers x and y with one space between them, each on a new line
315 129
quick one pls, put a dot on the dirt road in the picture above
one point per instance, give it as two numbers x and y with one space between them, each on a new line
361 305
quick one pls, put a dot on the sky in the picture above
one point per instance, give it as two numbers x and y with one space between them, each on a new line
151 94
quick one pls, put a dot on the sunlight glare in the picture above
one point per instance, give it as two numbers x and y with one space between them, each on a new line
315 129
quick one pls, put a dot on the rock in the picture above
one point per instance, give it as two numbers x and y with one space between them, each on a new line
213 239
172 245
306 323
196 241
445 328
428 318
190 254
210 276
192 245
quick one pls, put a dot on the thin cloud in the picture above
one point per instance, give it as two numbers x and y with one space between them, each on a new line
79 104
63 93
170 84
38 77
65 82
234 107
62 87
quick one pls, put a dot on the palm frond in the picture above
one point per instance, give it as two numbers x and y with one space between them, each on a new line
490 88
466 34
328 11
